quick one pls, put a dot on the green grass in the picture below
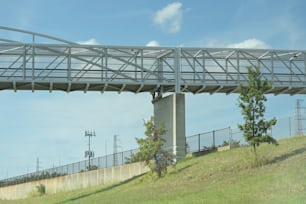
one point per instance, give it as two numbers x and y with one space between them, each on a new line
223 177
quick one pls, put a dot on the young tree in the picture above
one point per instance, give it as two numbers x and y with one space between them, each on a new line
251 101
151 148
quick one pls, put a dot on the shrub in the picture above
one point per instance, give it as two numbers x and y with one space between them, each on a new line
41 189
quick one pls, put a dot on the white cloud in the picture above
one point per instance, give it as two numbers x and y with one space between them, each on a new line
91 41
169 17
250 43
153 43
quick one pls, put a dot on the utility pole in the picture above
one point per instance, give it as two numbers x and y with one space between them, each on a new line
89 153
115 151
105 147
37 165
298 118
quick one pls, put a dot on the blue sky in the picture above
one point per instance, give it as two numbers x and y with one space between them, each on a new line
51 126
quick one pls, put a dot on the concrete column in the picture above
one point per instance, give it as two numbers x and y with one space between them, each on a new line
170 110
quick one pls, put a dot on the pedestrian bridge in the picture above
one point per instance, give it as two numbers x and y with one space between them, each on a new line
34 61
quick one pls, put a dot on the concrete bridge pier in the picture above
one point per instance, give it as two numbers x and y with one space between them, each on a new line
170 110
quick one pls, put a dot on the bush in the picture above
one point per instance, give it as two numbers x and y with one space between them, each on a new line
41 189
92 167
235 143
225 143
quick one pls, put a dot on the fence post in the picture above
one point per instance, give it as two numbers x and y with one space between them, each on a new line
131 151
290 126
230 137
199 142
214 139
186 145
122 158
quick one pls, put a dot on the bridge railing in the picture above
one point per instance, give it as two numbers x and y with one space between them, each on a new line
29 66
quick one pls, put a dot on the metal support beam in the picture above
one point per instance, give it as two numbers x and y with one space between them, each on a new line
200 89
285 90
33 86
86 87
14 86
104 88
51 87
122 88
301 91
69 87
216 90
234 90
140 88
185 88
177 68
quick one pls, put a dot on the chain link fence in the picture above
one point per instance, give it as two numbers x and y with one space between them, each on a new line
82 166
208 141
284 128
204 141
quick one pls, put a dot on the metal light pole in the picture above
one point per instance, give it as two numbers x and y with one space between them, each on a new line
89 153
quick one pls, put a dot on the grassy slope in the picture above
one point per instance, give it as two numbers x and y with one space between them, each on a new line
224 177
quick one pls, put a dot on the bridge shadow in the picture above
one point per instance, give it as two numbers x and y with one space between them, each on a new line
99 191
286 156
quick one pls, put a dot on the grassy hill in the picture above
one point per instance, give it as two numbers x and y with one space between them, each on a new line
223 177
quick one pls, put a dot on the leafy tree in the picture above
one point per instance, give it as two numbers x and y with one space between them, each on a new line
151 148
251 101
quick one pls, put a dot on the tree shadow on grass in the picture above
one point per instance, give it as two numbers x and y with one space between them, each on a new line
185 167
100 191
178 170
288 155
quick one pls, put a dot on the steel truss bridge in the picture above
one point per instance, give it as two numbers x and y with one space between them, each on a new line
42 62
